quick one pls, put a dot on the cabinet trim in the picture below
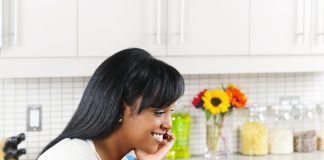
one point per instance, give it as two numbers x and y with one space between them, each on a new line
79 67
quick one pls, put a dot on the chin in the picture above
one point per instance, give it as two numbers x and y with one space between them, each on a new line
151 149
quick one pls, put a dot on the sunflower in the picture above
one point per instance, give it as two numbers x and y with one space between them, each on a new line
216 101
238 99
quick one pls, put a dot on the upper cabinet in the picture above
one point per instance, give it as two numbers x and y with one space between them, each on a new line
317 27
39 28
289 27
107 26
209 27
164 27
73 37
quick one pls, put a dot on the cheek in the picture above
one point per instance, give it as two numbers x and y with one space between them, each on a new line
141 130
150 122
149 125
144 128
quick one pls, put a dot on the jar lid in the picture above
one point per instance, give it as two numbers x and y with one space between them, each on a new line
286 107
321 105
310 106
285 102
299 106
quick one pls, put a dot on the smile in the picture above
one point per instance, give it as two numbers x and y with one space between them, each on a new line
157 136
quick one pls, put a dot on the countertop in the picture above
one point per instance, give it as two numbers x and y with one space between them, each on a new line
295 156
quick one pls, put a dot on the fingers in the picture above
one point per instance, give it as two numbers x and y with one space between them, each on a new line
167 143
168 139
163 149
169 136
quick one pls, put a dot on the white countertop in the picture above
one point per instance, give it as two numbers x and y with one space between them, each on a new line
295 156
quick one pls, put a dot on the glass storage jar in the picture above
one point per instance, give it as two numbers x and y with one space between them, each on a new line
304 128
280 135
320 127
254 132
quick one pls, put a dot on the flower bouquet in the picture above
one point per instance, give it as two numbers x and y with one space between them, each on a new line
217 104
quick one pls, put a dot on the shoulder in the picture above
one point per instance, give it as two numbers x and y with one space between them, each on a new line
70 149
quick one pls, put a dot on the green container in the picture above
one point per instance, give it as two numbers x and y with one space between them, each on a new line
181 130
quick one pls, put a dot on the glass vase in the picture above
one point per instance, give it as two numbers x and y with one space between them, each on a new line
217 147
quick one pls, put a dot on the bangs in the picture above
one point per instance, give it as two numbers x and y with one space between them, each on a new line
164 86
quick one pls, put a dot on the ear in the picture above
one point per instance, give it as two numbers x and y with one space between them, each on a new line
127 110
131 110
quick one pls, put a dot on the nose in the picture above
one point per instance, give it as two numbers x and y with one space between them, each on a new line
167 124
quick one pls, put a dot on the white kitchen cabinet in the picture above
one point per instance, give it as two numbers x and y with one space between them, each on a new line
107 26
39 28
209 27
196 37
317 28
290 27
164 27
279 27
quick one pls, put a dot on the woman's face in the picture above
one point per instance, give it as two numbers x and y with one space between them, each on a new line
145 130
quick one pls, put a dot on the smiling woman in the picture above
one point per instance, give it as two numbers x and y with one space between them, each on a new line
126 106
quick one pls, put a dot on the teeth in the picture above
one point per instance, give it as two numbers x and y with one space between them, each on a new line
158 137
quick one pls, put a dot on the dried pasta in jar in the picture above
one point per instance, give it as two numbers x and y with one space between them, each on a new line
254 139
320 141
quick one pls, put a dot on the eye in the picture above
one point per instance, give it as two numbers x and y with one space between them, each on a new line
159 113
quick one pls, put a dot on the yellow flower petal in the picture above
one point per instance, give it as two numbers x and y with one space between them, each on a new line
222 107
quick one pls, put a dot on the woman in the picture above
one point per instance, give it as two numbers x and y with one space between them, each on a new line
126 106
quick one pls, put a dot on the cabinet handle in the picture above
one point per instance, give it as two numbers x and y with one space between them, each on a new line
301 11
158 21
15 22
181 29
320 17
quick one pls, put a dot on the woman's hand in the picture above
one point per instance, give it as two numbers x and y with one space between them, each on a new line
164 147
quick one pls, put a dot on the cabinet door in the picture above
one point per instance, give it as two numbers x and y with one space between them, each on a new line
107 26
317 30
39 28
279 27
209 27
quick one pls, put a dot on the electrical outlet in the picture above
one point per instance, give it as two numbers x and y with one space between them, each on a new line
34 118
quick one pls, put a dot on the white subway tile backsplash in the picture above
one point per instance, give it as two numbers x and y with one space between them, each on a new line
60 97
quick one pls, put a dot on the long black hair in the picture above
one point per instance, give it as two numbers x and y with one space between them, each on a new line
121 78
